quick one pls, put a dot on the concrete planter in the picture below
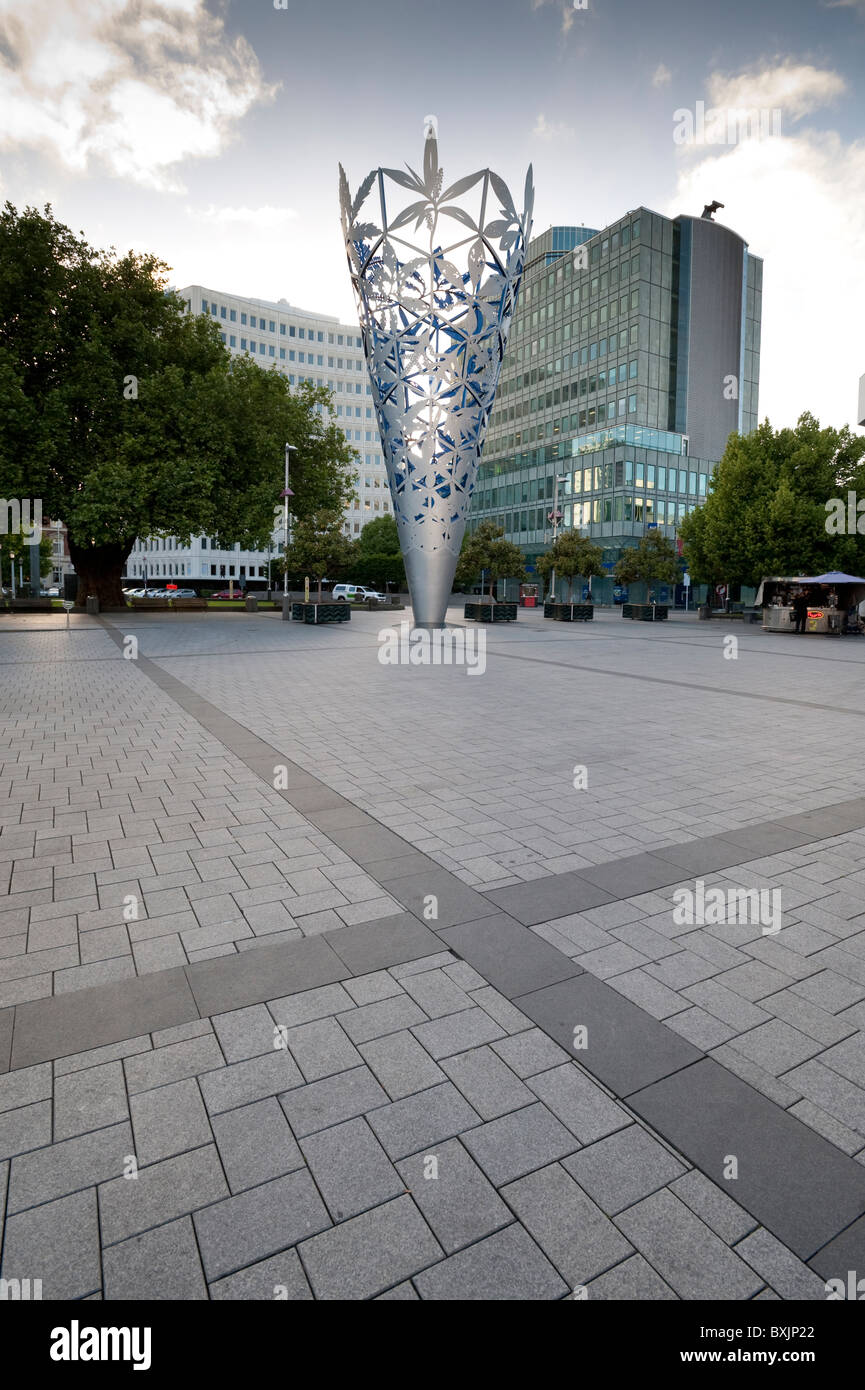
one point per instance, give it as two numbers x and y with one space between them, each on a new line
486 612
569 612
646 612
320 612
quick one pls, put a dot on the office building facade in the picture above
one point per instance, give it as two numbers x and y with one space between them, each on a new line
304 346
634 353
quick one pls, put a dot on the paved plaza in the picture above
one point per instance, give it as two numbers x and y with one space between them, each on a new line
328 979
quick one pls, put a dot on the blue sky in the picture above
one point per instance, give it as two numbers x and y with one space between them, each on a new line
210 133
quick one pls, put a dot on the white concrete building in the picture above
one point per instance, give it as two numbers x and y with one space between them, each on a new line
304 346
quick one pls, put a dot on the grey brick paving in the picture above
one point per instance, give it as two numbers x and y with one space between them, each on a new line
162 1264
160 1193
487 1083
516 1144
253 1079
323 1103
423 1119
57 1243
168 1120
506 1266
350 1168
620 1170
255 1144
364 1256
572 1231
89 1099
685 1252
280 1277
456 1199
401 1065
257 1223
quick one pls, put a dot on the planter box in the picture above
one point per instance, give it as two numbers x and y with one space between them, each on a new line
569 612
320 612
646 612
491 612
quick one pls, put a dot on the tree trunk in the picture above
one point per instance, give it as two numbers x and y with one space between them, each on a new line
99 569
319 588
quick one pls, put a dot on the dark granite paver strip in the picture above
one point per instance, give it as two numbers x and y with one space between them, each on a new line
267 972
7 1018
544 899
702 856
369 946
797 1184
455 901
627 1048
845 1252
627 878
86 1018
509 955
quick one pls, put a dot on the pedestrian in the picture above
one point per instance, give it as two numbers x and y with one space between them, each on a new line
800 610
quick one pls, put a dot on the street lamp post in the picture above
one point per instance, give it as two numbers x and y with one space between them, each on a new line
555 517
286 494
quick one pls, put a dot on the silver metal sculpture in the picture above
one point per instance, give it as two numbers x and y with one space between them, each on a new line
434 338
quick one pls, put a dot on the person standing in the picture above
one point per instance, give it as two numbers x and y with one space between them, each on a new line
800 610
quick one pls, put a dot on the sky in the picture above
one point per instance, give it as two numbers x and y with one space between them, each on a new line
210 131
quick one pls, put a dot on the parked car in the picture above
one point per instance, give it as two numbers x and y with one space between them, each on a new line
184 593
356 593
226 593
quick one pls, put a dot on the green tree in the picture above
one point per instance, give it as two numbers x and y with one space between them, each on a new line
570 555
127 417
766 509
485 549
376 556
654 560
15 551
318 547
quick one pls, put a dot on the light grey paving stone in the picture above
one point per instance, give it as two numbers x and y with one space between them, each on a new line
401 1293
258 1223
281 1277
530 1052
457 1033
162 1264
401 1064
755 981
183 1033
247 1081
685 1252
25 1086
572 1232
831 1091
405 1126
500 1009
454 1197
632 1281
847 1140
787 1276
321 1049
487 1083
518 1143
175 1062
615 959
160 953
167 1120
350 1168
245 1032
776 1047
847 1058
57 1243
364 1256
255 1144
650 994
370 989
829 991
706 1200
505 1266
790 1179
623 1168
579 1103
437 961
436 994
350 1093
89 1099
97 1056
770 1086
68 1166
464 975
385 1016
312 1004
701 1028
28 1127
162 1192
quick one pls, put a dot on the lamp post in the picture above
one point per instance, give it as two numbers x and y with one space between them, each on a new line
555 517
286 494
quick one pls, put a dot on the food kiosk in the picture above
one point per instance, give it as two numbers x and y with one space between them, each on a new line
830 598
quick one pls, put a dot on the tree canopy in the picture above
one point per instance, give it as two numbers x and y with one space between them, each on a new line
485 549
654 560
571 555
766 512
128 417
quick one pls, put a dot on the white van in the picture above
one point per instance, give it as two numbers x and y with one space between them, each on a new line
355 593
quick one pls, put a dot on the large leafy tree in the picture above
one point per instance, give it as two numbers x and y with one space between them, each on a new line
570 555
127 417
318 546
376 558
766 508
485 549
653 561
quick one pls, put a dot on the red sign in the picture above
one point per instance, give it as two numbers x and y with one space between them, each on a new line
171 586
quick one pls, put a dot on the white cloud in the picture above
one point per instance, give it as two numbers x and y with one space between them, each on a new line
547 130
661 75
133 86
266 217
799 201
797 89
569 10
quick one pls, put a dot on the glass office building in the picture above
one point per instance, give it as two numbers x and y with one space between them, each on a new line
634 354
